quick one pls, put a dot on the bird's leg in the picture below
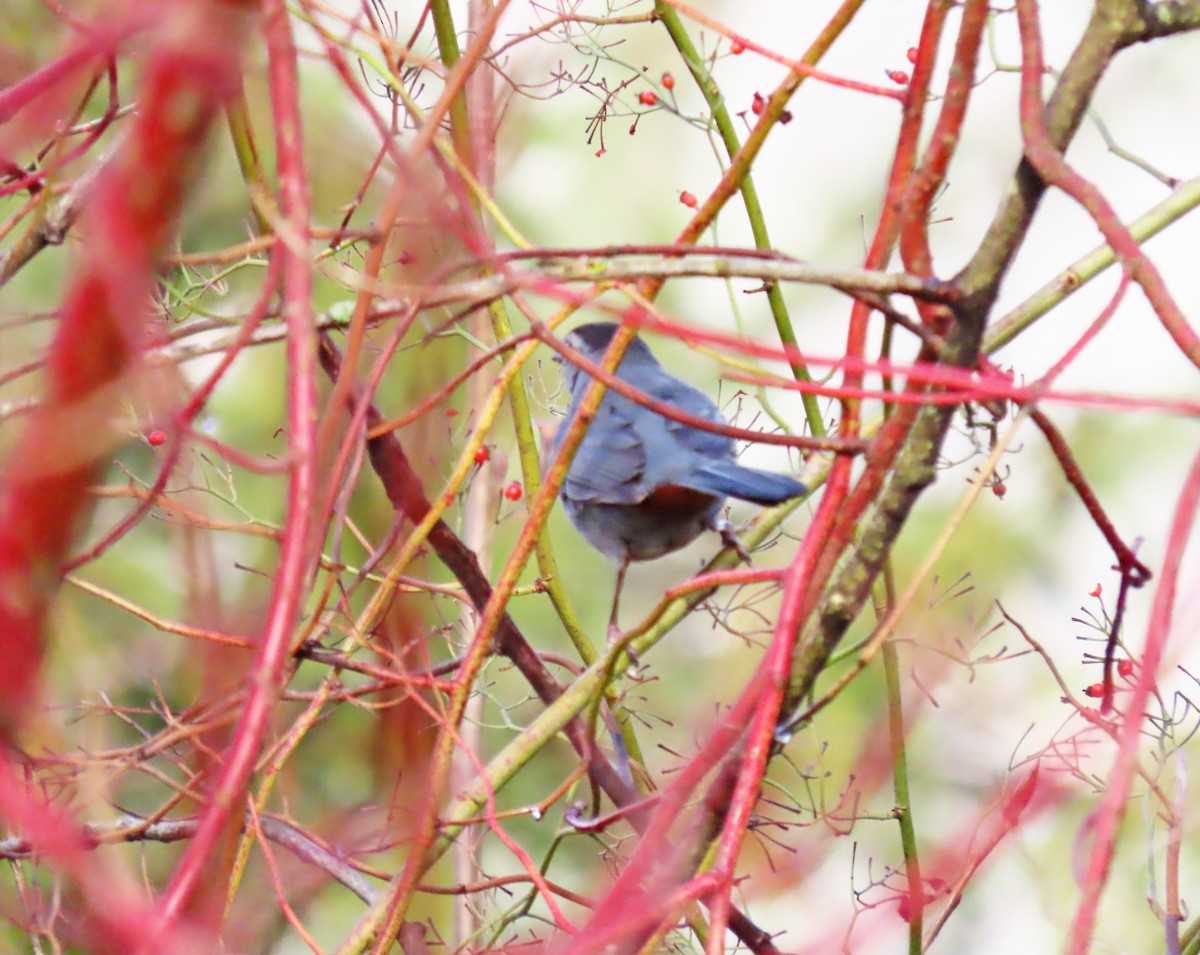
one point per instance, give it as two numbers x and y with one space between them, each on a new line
614 629
730 539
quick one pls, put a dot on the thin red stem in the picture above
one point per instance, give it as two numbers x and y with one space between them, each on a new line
775 670
1052 166
296 556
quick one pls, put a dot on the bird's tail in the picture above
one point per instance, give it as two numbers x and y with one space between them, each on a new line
730 479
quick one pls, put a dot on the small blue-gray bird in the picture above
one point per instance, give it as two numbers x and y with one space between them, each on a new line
642 485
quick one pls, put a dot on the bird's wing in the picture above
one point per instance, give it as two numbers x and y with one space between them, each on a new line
631 451
610 465
704 461
694 402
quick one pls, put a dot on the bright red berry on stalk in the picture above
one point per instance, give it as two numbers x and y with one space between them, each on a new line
648 98
759 105
514 491
156 438
737 47
912 54
482 455
668 81
1095 691
1125 668
899 77
1096 591
688 199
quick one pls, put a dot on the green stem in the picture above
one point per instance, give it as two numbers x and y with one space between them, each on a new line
241 135
728 132
1183 199
1190 940
754 211
904 813
518 401
448 50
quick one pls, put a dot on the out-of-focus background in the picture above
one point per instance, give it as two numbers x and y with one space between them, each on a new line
981 706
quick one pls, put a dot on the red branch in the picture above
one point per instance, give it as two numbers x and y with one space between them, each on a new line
114 916
182 424
44 501
1052 167
800 67
775 670
296 558
19 95
914 229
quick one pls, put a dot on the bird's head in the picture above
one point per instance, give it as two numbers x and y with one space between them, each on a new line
593 339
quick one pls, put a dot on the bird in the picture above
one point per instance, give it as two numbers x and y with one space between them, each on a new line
642 485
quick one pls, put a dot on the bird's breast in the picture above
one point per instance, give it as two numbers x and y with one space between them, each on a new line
676 500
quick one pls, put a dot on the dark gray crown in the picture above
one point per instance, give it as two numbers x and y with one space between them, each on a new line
594 338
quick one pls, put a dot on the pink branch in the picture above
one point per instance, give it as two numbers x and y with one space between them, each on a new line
296 550
18 95
1052 167
114 916
190 72
775 669
803 68
914 227
45 499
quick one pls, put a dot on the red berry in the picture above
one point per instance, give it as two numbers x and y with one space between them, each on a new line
482 455
451 413
999 488
912 54
737 47
668 81
600 152
688 199
648 97
514 491
1095 691
1125 668
899 77
759 105
155 438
